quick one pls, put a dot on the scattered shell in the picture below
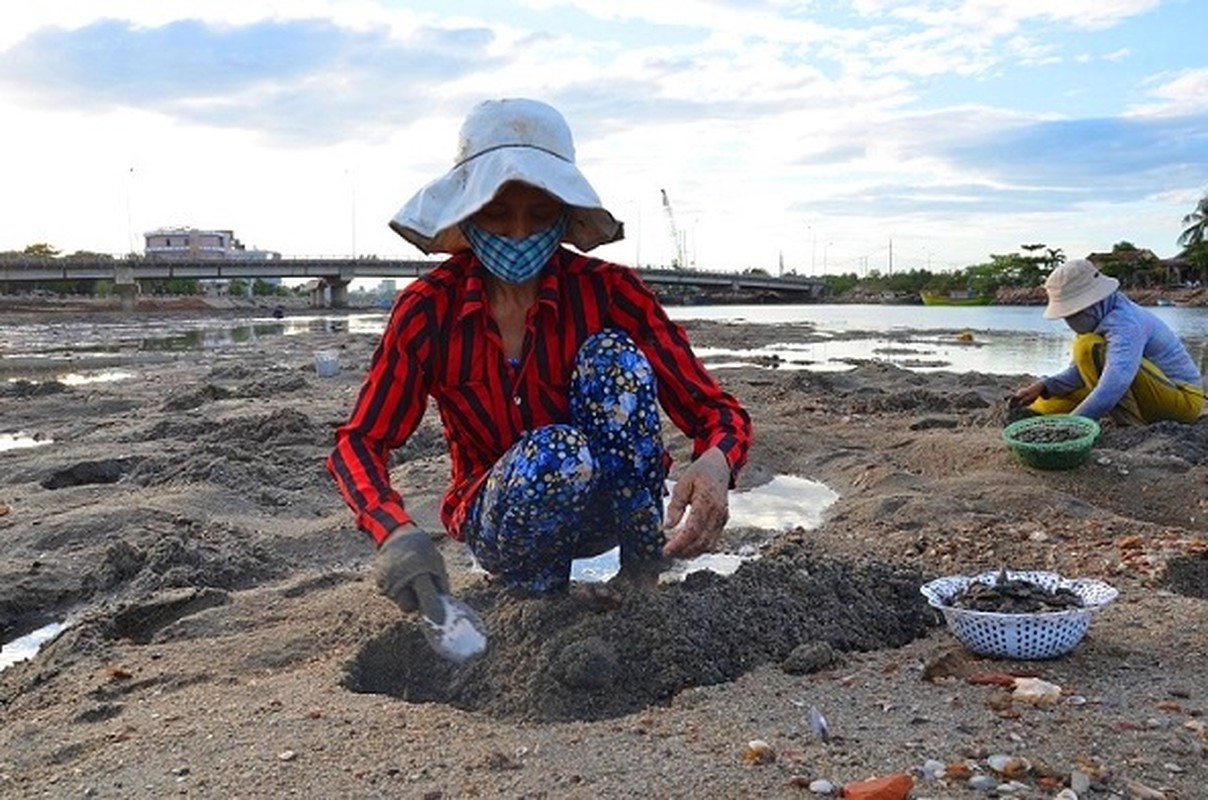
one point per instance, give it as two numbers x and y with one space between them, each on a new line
888 787
983 783
818 723
1036 691
822 786
759 752
1139 791
1010 766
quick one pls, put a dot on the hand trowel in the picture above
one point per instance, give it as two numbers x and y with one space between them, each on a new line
452 628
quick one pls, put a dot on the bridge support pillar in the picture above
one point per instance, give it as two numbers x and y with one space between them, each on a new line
339 292
126 287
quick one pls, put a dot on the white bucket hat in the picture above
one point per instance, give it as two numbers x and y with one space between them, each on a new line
501 141
1076 285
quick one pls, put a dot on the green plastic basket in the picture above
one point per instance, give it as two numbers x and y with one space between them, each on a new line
1066 454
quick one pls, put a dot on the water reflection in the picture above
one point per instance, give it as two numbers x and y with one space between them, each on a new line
26 647
20 441
991 352
1006 340
104 376
783 503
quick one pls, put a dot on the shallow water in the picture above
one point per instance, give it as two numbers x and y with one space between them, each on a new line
1005 340
783 503
21 440
27 646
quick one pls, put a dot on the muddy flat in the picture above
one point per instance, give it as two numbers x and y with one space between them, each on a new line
223 637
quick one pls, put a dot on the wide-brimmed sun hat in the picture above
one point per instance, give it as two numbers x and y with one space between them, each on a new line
513 139
1076 285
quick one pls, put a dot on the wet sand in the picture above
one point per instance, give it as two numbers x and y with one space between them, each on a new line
224 637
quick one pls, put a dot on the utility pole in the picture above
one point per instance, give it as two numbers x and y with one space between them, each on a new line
891 256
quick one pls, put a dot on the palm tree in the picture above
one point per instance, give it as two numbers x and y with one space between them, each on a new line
1195 222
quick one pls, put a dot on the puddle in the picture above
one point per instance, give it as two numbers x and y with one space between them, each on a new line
783 503
106 376
20 441
27 646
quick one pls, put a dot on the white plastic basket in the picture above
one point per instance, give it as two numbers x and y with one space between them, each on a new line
327 363
1024 637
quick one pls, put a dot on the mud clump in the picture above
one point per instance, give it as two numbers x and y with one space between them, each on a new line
560 658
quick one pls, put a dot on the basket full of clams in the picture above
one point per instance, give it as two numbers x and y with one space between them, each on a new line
1022 615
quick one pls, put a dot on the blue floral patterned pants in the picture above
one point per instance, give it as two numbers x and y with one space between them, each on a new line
575 490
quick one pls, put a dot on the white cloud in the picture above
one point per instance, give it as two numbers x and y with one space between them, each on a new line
772 125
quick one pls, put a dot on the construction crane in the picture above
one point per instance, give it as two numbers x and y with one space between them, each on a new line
677 239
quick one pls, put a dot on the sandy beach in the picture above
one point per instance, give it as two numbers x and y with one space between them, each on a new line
223 637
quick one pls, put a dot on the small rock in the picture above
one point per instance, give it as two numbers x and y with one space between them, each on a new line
287 755
983 783
809 658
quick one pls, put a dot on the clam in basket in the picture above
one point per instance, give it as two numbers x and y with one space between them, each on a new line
1021 636
1055 441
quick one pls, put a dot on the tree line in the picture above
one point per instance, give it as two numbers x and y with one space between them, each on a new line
104 288
1134 267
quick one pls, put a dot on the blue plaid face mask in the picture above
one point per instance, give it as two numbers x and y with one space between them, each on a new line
515 261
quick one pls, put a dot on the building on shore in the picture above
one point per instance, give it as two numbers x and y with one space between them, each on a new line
195 244
192 244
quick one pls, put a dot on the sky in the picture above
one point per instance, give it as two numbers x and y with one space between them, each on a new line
809 136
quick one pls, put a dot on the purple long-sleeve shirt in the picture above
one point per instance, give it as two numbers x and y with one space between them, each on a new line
1132 333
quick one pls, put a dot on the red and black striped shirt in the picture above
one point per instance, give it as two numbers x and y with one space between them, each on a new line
441 342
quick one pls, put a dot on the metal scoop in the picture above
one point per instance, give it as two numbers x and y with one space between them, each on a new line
453 629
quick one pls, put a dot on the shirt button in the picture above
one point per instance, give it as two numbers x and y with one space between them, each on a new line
516 399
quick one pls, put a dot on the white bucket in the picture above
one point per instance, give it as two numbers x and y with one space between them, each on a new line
327 363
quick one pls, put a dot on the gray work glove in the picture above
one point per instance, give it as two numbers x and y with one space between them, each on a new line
407 555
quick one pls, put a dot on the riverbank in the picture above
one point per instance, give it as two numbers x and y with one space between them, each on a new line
29 304
224 637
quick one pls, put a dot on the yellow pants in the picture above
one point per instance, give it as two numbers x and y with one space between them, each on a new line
1151 397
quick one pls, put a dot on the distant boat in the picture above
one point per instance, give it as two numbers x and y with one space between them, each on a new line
1165 302
956 298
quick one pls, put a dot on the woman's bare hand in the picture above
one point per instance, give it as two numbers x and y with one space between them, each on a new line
702 491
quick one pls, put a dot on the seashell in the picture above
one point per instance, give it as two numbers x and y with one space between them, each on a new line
1009 766
759 752
818 723
889 787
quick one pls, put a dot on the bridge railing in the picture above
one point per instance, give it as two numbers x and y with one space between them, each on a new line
334 269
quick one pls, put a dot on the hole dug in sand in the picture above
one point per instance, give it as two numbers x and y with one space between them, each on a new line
558 658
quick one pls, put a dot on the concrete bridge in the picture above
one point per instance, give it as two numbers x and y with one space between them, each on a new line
336 273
